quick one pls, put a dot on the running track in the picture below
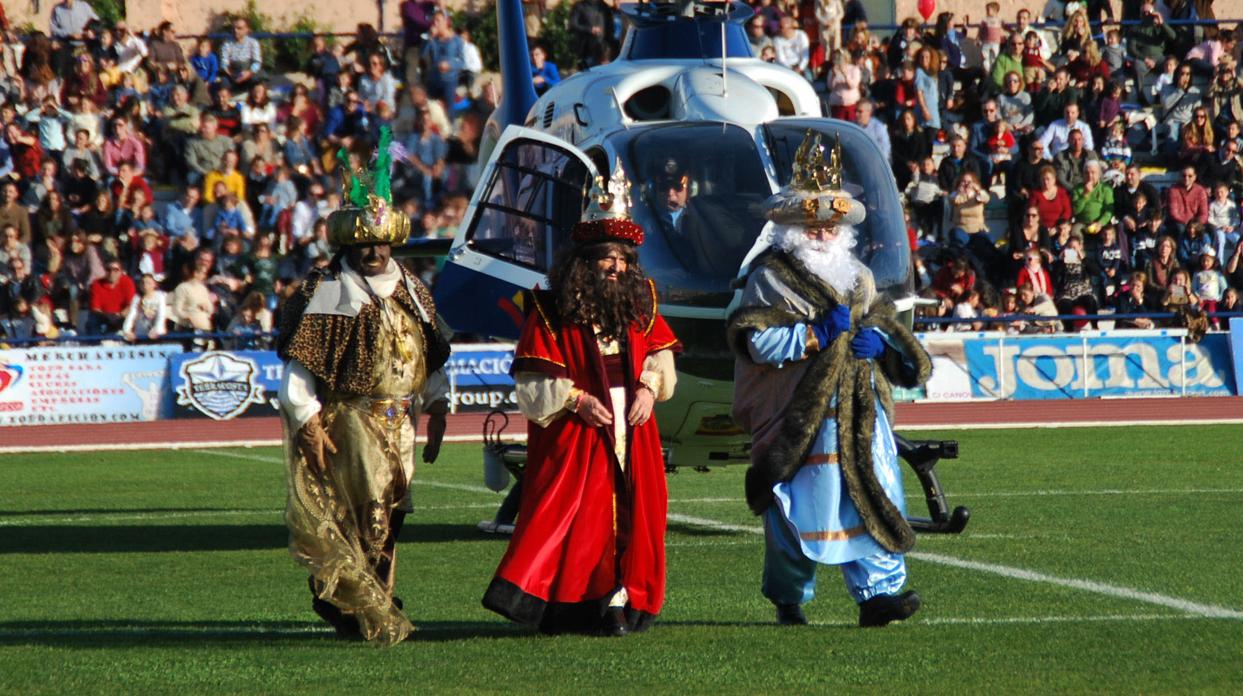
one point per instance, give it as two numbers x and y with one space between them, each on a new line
468 427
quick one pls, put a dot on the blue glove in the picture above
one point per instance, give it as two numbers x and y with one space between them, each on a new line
867 344
832 325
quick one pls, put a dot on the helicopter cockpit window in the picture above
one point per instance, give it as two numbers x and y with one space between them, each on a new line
883 244
699 189
535 194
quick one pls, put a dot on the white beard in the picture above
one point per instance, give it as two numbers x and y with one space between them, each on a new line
832 261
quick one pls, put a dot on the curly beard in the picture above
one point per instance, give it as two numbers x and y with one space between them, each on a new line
832 260
587 297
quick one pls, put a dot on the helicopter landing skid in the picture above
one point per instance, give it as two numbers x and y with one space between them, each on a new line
922 456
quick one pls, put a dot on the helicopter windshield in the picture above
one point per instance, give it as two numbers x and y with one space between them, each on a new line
700 187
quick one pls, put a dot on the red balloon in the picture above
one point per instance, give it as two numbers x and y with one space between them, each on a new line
926 8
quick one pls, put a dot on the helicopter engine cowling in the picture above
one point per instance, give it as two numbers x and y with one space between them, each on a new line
701 93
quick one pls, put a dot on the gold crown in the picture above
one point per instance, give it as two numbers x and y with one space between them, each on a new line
609 200
811 172
815 196
379 222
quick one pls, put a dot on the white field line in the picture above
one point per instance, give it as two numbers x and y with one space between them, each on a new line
1187 606
1015 425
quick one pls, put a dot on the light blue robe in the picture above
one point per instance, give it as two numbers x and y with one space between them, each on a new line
814 520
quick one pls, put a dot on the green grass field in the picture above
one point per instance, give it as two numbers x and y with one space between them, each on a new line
1097 560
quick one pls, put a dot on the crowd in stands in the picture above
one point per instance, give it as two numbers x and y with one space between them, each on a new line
1081 166
153 185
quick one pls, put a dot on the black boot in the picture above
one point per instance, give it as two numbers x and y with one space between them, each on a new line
790 615
345 625
613 623
882 609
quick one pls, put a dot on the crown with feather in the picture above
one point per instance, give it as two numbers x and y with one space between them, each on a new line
368 216
815 196
607 218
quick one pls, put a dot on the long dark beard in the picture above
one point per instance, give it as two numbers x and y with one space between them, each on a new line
585 296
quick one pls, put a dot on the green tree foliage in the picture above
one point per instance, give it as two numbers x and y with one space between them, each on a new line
110 11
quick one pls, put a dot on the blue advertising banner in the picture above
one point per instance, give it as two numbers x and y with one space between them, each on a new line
479 377
98 384
1109 364
1236 349
223 385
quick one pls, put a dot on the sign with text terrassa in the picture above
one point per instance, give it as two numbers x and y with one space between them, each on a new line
97 384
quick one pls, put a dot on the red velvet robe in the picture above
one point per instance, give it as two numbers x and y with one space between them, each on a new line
585 526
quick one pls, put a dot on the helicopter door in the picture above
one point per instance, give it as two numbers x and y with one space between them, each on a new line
531 192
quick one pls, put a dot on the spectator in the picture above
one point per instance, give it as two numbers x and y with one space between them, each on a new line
1009 62
279 197
1093 203
192 306
472 62
53 222
205 63
845 81
967 203
1209 284
1050 103
252 317
12 212
901 44
1133 301
38 189
1026 237
130 188
258 108
110 299
183 216
123 146
756 35
12 248
1225 167
590 24
146 319
1036 303
377 85
207 150
260 145
416 20
1057 136
1205 57
25 151
927 91
875 130
324 66
426 155
1144 226
1161 266
544 74
1185 203
165 51
792 46
954 164
1178 101
1074 286
443 54
1069 163
910 147
131 50
1223 221
1148 43
1178 294
241 59
924 195
1196 149
1050 200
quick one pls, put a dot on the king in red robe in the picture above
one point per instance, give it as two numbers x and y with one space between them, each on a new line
588 551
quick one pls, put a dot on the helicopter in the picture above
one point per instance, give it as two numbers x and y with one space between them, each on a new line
687 107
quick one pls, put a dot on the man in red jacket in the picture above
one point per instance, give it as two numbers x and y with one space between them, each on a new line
1186 202
110 298
588 552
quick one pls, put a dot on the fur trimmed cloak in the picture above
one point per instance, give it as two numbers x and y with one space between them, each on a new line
781 291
